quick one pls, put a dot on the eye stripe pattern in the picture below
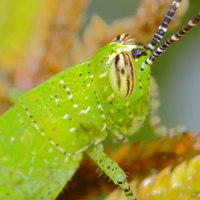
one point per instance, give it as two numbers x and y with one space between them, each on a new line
125 39
122 75
117 68
130 73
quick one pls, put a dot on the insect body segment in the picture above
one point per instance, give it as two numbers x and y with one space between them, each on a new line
111 169
125 102
59 105
30 165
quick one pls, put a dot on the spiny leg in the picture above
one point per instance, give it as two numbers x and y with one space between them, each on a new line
115 173
154 115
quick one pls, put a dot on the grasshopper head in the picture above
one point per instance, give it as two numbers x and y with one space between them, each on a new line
122 79
123 69
123 75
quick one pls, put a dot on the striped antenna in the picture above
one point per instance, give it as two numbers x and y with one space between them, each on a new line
173 39
162 29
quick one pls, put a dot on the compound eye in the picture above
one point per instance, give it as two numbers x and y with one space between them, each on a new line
122 75
137 53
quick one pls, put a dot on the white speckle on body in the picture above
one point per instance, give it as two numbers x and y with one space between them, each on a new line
67 89
31 170
80 150
20 120
85 111
75 105
72 129
86 97
139 118
4 158
70 96
36 126
52 142
103 75
61 82
12 139
104 127
50 150
105 88
66 159
57 100
28 113
118 135
55 163
103 116
51 96
33 159
70 172
109 58
61 149
91 76
110 97
88 85
65 116
56 158
100 106
43 134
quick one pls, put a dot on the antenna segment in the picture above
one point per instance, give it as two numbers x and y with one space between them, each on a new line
162 29
173 39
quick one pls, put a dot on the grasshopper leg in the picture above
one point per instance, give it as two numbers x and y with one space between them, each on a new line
115 173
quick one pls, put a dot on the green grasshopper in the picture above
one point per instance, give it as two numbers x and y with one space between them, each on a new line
43 137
